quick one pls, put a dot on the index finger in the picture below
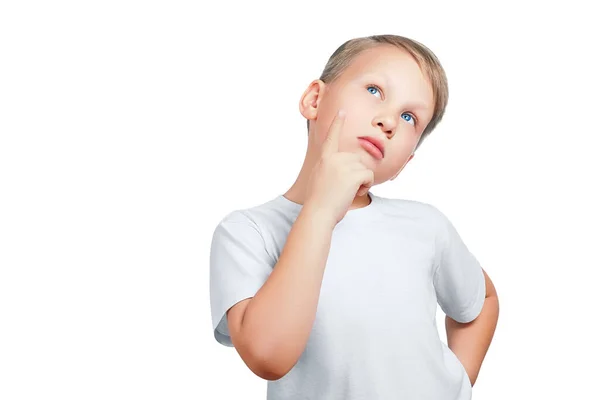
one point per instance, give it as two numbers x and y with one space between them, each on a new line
331 144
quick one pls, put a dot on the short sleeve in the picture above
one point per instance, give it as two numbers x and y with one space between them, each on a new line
239 266
458 278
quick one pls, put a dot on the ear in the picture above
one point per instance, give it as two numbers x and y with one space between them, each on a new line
400 170
309 102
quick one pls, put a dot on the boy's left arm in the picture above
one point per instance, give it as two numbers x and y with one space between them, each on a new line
470 341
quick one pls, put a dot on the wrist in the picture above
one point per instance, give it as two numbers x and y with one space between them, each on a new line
318 215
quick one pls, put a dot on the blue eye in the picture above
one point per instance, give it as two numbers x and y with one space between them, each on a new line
373 89
413 118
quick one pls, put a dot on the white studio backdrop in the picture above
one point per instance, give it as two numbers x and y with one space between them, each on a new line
128 129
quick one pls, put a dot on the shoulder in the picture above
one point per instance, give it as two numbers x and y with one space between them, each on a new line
238 222
258 217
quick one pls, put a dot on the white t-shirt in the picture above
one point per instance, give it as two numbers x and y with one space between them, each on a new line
375 335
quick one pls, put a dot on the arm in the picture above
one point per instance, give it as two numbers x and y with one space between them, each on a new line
471 341
275 325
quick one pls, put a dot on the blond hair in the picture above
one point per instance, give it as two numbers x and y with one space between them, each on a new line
425 58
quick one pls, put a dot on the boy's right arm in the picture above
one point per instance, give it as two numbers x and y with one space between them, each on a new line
270 330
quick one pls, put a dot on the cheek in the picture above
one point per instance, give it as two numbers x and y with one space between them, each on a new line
385 171
398 157
360 108
359 121
353 102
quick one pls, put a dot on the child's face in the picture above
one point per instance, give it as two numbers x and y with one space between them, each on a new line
385 95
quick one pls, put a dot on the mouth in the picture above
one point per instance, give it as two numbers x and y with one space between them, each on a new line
373 146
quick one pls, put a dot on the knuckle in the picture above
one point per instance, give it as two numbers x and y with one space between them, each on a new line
325 158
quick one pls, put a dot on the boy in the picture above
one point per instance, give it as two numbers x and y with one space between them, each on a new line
329 291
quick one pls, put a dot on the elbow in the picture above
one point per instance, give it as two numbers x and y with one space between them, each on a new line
270 375
267 366
264 361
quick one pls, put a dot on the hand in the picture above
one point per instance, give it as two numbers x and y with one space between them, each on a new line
338 177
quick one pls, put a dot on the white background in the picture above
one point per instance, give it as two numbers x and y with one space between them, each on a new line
129 129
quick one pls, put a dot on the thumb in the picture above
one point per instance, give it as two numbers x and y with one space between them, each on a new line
362 190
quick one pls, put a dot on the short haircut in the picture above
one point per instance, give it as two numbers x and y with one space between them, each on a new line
425 58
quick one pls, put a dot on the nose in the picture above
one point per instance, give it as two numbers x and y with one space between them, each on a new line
387 124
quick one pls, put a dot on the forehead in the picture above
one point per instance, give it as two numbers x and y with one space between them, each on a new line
396 67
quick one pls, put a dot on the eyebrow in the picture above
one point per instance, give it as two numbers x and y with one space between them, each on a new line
418 106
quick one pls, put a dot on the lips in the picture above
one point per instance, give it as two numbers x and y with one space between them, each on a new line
378 150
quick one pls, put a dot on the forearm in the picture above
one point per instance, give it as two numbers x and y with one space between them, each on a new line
470 341
279 318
